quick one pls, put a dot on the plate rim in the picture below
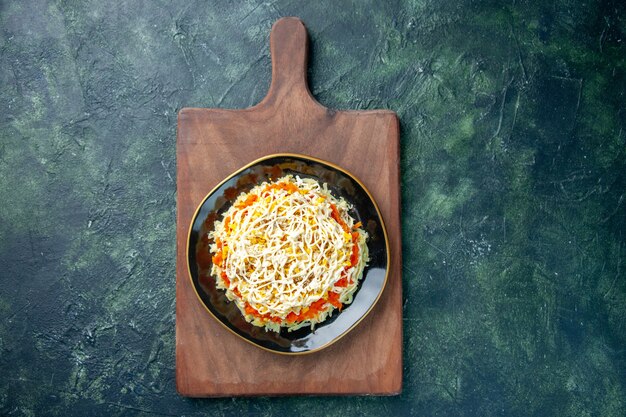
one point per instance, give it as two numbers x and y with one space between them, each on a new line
319 161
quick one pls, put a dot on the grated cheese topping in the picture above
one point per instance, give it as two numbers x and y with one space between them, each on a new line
288 253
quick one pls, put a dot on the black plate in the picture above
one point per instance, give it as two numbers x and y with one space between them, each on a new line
341 184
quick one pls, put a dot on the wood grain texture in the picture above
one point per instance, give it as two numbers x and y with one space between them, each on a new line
213 143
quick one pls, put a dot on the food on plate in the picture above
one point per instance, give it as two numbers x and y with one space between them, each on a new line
288 253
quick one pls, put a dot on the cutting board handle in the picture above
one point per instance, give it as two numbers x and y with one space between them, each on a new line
289 49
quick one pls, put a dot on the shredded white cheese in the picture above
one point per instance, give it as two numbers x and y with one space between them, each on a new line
281 248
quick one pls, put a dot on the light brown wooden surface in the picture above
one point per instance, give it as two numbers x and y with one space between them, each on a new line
213 143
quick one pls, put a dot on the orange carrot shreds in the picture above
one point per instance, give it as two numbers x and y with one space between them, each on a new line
337 217
357 225
289 187
250 310
217 259
251 199
225 279
226 222
333 298
318 304
254 312
354 257
315 308
343 282
291 317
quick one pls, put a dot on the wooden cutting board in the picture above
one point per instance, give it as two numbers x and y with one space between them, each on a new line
213 143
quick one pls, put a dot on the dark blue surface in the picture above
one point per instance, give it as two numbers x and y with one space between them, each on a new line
513 167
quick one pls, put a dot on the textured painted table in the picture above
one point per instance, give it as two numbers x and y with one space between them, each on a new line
513 189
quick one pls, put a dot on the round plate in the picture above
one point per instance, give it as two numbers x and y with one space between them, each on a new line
341 184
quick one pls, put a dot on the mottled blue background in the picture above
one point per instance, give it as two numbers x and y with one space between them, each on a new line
513 185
